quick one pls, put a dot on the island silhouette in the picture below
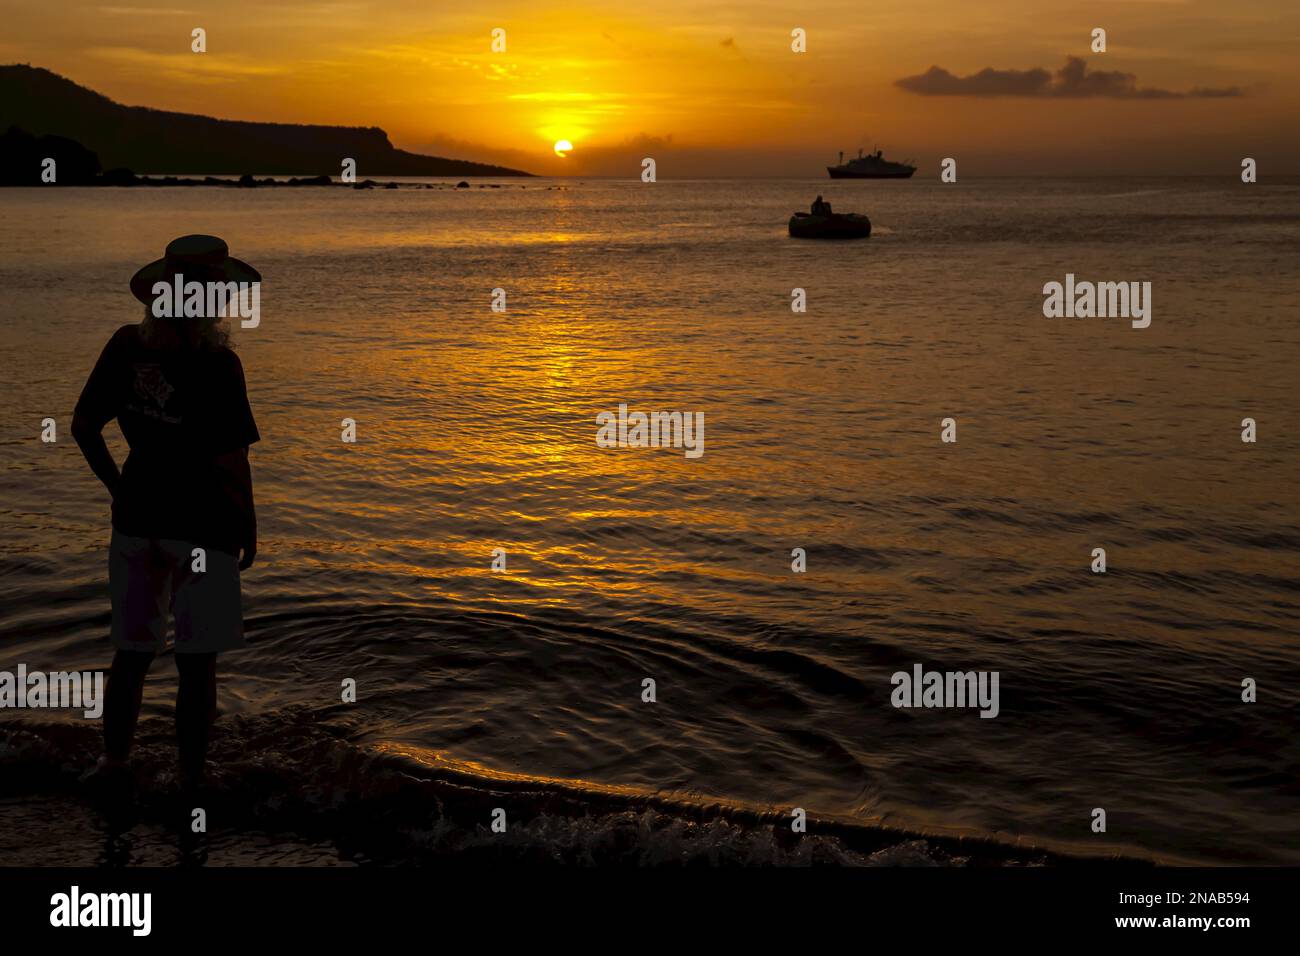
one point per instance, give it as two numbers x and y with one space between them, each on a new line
41 108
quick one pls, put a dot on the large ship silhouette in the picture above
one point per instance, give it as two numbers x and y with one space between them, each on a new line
871 166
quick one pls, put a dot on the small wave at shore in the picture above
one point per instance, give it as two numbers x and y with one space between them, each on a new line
287 789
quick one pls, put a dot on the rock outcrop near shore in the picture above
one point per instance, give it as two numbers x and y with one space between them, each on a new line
22 156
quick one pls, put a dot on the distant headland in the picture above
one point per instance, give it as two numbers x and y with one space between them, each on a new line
97 137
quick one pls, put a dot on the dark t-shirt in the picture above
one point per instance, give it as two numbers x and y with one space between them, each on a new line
178 410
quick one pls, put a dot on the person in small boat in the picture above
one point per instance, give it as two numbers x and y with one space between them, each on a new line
820 207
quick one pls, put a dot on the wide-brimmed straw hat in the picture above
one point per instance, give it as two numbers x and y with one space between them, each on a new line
198 259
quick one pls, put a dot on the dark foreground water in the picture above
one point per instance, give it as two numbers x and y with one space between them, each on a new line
476 431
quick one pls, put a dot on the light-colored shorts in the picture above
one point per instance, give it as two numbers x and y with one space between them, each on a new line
149 577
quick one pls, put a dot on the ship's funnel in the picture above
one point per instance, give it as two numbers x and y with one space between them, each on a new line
841 157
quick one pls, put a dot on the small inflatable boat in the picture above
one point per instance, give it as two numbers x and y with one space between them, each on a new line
835 226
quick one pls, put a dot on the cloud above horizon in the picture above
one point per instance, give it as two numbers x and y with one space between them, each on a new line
1072 81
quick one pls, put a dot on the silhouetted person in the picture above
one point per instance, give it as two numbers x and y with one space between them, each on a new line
820 207
182 503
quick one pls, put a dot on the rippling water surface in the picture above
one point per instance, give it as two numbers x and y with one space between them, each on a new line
476 431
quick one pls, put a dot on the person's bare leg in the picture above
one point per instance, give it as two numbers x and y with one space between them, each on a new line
122 703
196 709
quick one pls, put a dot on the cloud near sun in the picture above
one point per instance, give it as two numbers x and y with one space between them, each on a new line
1072 80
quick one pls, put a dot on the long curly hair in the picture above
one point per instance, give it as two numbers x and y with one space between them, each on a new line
212 334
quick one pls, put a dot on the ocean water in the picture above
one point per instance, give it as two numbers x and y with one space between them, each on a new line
476 431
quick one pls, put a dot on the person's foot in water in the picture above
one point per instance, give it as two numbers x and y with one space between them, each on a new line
191 781
105 768
108 778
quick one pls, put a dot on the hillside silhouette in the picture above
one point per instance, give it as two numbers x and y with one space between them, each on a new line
42 103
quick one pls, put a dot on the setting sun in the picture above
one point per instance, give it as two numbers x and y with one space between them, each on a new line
563 147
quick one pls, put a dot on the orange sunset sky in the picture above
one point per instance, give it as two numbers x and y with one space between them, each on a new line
711 87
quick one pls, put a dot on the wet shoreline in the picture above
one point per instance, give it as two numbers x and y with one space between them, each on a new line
285 790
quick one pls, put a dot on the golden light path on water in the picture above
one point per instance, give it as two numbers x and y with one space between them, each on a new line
476 431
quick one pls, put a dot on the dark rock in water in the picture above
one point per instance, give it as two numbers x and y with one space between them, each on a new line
391 186
366 184
310 181
462 185
176 181
119 177
247 181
